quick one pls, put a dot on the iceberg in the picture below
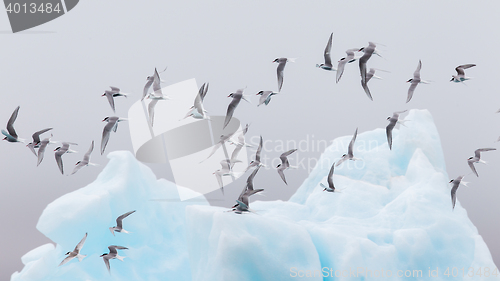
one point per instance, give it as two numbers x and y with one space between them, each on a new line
392 219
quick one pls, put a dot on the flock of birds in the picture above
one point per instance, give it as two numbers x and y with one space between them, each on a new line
113 253
197 111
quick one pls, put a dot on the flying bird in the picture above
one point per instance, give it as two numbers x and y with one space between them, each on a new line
233 104
10 134
392 123
197 111
265 97
368 52
248 190
280 70
60 151
36 140
76 252
222 140
149 82
477 158
119 224
343 61
155 96
256 162
85 161
112 125
415 81
456 182
369 75
330 187
350 154
110 95
113 254
328 59
284 164
225 170
460 77
41 149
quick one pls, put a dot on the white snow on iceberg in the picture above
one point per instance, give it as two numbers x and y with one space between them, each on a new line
392 218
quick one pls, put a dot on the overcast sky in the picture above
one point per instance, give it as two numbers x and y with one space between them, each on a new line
57 72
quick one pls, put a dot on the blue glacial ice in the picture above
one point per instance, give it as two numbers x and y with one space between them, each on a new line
393 216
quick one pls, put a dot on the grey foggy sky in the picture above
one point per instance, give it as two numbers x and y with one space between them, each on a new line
56 73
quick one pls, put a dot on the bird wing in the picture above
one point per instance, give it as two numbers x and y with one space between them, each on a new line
151 110
472 167
59 161
41 151
340 68
105 136
340 162
330 177
237 150
284 156
120 219
416 74
280 71
370 74
259 150
115 89
411 90
36 135
351 144
328 58
78 166
157 85
460 68
453 193
250 179
80 245
86 157
32 148
10 123
388 132
282 175
367 90
111 101
146 87
230 109
106 261
67 259
477 153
